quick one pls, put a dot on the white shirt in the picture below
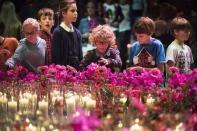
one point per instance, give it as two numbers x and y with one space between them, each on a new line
181 55
65 27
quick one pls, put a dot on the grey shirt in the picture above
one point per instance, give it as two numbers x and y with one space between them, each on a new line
29 55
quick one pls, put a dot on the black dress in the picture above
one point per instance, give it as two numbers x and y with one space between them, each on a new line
66 47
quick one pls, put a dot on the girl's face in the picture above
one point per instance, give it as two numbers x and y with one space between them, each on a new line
30 33
143 38
101 47
70 15
182 35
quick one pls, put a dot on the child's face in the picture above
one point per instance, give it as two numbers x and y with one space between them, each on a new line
70 15
30 33
101 47
182 35
46 22
91 9
143 38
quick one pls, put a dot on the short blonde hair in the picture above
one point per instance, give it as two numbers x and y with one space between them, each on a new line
32 22
102 34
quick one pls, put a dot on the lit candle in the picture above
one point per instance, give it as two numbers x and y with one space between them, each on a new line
3 105
23 104
90 104
12 106
43 107
136 126
150 101
70 105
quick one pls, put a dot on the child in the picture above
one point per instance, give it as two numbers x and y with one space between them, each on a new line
46 19
7 47
31 51
178 54
146 52
103 38
66 41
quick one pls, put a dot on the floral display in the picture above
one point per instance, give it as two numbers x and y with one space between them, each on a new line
62 98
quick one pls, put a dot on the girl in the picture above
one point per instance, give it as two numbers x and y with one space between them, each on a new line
66 40
9 19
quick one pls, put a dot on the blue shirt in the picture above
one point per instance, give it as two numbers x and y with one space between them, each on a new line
29 55
153 52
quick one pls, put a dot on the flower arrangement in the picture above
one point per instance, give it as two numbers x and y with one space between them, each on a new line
147 98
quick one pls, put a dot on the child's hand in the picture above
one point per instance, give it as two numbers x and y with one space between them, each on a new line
103 61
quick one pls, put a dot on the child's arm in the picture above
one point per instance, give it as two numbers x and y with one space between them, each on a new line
115 61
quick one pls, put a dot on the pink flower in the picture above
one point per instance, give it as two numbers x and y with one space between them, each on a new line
173 70
137 104
178 96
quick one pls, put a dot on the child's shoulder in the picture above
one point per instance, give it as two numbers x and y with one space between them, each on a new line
155 41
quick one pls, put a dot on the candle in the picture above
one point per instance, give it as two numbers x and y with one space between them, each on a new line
3 105
12 106
90 104
70 105
23 104
150 101
136 126
43 107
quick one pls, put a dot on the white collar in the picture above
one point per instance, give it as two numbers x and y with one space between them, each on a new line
65 27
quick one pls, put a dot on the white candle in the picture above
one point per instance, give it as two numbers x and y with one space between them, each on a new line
3 105
23 104
12 106
70 105
136 127
43 107
150 101
90 104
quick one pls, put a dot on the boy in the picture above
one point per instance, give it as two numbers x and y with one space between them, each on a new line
31 51
46 20
146 52
178 54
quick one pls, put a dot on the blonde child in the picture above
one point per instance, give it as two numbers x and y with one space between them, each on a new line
103 38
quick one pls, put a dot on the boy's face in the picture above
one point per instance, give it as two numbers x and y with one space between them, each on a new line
143 38
182 35
30 33
70 15
101 47
46 22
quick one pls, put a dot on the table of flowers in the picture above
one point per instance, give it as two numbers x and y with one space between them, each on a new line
63 99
